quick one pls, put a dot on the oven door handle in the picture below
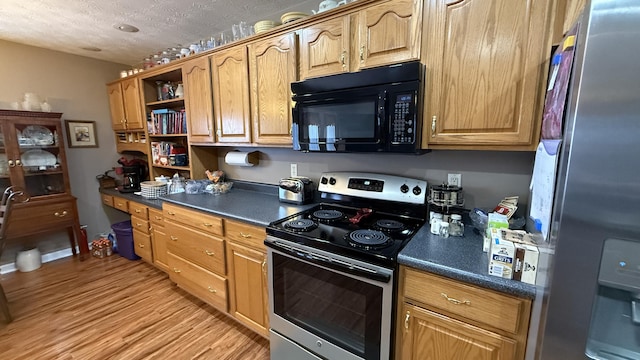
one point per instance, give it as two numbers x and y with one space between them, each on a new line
334 264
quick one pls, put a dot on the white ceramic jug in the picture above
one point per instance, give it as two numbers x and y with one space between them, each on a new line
328 5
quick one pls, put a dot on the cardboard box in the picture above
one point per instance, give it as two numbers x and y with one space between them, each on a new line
495 221
526 263
501 257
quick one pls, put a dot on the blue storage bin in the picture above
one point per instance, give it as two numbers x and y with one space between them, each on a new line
124 239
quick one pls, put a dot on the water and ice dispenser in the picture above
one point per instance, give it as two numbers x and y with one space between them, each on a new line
615 322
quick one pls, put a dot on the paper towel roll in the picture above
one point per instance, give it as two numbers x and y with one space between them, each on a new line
242 158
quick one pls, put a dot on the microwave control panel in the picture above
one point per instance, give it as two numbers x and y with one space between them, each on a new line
403 119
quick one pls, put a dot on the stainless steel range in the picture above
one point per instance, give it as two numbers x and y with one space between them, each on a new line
333 267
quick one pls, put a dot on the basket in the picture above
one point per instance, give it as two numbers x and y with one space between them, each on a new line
153 189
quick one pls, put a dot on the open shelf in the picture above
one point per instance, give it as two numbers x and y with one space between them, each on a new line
169 102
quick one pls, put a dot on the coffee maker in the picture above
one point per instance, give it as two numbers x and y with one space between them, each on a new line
133 173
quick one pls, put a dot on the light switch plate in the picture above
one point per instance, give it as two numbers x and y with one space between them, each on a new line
294 170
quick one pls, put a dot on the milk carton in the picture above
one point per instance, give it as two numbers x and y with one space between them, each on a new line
501 257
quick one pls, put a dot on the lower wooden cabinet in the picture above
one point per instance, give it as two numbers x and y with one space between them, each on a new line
142 245
158 239
248 300
440 318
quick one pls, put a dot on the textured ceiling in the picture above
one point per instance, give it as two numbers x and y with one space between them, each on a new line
70 25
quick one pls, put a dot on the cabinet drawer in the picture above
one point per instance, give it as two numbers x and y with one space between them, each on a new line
246 234
482 305
140 224
199 248
33 217
121 204
139 210
195 219
107 200
142 245
155 217
198 281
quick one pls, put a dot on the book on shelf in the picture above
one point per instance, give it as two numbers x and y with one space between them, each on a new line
167 121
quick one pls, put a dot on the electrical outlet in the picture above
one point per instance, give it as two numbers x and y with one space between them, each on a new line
294 169
454 179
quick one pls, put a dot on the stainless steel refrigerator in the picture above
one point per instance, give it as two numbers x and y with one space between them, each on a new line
591 295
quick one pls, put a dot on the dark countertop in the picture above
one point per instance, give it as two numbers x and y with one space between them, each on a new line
257 204
458 258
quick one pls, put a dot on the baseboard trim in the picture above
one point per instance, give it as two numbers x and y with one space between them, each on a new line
59 254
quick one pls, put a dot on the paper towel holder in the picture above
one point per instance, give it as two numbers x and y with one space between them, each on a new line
242 158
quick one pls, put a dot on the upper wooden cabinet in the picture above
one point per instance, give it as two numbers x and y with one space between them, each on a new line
196 77
389 33
382 34
125 104
486 65
231 95
272 68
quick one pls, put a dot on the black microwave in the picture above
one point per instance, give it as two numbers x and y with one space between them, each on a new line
373 110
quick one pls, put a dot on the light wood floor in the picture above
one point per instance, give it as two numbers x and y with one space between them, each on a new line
114 308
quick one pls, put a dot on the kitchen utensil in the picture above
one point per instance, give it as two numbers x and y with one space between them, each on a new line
361 214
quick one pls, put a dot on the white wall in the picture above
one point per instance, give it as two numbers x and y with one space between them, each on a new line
75 86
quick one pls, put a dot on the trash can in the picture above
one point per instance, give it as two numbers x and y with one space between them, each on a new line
124 239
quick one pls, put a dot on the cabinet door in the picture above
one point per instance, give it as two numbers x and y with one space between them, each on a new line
247 287
273 66
231 95
116 104
485 61
389 33
142 245
324 48
159 246
196 77
429 335
134 120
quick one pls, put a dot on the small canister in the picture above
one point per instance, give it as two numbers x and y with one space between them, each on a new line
456 227
435 224
444 229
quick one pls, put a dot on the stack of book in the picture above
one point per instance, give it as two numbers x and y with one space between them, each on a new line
167 121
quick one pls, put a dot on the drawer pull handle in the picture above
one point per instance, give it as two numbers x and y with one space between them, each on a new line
212 290
60 214
210 253
455 301
171 213
246 236
138 211
264 265
177 271
158 217
173 238
138 224
150 228
207 224
406 320
141 245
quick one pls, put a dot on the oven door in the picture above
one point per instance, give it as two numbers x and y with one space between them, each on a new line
332 306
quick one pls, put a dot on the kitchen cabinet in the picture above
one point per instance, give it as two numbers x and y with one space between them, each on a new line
32 157
273 66
230 83
247 265
125 105
158 239
486 63
573 9
195 253
198 99
142 245
440 318
386 33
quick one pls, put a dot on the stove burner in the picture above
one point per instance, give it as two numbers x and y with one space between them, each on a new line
368 239
301 225
389 225
328 214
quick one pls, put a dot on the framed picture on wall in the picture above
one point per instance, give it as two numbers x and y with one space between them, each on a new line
81 134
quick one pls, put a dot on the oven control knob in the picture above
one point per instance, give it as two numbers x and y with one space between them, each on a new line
319 343
332 181
417 190
404 188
